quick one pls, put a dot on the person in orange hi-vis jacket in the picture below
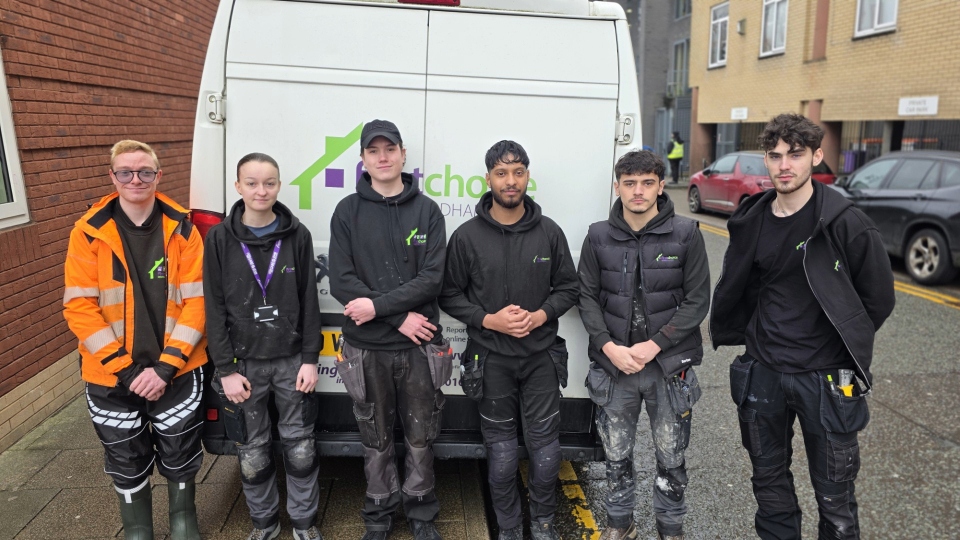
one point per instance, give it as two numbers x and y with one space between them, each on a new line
134 299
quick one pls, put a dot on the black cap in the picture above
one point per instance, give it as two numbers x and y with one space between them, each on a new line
379 128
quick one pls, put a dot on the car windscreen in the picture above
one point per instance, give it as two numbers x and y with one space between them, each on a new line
752 165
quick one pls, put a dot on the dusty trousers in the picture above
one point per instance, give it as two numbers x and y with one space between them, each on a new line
528 389
398 381
297 417
617 423
137 433
768 404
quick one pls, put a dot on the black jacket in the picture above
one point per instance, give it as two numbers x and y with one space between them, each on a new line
845 263
491 266
231 292
391 250
669 258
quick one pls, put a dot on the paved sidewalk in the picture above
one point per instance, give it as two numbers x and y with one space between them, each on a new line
52 485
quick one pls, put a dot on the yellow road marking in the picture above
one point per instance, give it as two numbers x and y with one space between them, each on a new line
906 288
567 474
581 512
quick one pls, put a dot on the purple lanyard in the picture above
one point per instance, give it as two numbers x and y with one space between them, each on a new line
273 264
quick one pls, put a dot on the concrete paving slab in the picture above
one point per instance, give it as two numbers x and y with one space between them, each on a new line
65 435
221 470
74 469
17 508
76 513
19 466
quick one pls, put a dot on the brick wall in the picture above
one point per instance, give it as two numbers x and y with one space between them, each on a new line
860 79
81 75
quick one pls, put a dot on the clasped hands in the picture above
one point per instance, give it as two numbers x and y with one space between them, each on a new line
631 359
514 321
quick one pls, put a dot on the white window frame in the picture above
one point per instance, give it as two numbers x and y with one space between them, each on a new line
763 28
715 25
876 28
15 212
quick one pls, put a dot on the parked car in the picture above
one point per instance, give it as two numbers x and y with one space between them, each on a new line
722 186
914 198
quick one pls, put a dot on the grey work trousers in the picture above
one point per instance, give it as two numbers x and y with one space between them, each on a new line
298 415
617 423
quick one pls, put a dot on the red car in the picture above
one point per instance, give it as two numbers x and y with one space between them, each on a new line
722 186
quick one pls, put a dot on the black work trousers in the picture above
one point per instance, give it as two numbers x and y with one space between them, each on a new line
768 404
527 388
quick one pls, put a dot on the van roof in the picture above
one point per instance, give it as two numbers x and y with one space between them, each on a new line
575 8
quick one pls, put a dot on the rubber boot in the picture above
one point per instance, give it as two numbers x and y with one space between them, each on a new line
136 512
183 510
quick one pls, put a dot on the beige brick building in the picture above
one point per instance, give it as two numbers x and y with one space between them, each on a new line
878 75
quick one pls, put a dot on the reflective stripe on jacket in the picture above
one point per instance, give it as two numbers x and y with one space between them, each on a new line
676 152
99 303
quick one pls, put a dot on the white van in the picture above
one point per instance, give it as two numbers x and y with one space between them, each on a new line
298 79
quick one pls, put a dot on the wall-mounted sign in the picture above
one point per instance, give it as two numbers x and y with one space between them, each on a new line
738 113
918 106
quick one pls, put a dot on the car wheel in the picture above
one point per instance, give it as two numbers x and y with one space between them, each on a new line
927 258
693 199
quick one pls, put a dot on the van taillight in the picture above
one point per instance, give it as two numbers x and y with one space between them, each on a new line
432 2
212 415
204 219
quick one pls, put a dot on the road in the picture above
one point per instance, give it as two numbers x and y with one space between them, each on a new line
909 481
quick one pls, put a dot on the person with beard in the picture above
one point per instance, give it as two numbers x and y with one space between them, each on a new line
263 327
644 290
509 277
806 284
387 249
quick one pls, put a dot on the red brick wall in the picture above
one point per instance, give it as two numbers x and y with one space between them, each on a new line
83 74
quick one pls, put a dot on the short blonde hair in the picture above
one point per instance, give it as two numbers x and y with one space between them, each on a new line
127 146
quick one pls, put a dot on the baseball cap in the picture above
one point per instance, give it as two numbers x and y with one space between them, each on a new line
379 128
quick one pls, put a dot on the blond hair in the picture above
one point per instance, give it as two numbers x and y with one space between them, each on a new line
127 146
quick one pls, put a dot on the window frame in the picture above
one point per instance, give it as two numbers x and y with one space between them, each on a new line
672 82
875 29
716 23
774 51
682 8
15 212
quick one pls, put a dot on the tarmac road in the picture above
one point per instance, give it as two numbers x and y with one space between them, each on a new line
909 481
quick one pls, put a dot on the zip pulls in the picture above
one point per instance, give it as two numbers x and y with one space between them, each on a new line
623 272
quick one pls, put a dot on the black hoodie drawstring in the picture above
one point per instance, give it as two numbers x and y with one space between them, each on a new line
393 245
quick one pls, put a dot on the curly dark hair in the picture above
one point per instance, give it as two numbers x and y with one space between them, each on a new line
640 162
503 151
794 129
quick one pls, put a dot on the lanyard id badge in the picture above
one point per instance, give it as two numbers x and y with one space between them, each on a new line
264 313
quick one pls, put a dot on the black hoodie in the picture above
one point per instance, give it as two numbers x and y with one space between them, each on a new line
390 250
231 292
491 266
844 260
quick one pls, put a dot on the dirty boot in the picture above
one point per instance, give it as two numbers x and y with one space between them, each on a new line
183 510
136 512
543 531
661 536
515 533
610 533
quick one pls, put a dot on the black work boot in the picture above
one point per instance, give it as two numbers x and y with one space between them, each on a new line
661 536
136 512
424 530
611 533
183 510
515 533
543 531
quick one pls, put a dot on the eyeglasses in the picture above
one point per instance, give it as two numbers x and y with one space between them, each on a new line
125 177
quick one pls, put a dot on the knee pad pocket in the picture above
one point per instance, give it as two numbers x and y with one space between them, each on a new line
256 464
671 482
300 457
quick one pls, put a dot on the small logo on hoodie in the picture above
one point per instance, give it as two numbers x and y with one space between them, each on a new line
662 258
159 270
837 266
539 259
802 245
416 239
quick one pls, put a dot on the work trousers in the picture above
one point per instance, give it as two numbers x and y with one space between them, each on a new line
398 381
137 433
768 404
296 421
528 389
617 423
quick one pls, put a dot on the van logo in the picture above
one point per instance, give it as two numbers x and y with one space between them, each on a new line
334 148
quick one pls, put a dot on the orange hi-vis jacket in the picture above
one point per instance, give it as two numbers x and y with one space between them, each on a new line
98 299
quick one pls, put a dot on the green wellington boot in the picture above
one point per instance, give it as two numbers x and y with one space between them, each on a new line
183 510
136 512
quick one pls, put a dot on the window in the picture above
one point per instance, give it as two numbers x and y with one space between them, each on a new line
911 174
875 16
13 200
719 20
724 165
681 8
872 175
951 175
773 39
752 166
679 69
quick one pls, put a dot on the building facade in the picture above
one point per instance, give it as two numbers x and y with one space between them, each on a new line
77 77
877 75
